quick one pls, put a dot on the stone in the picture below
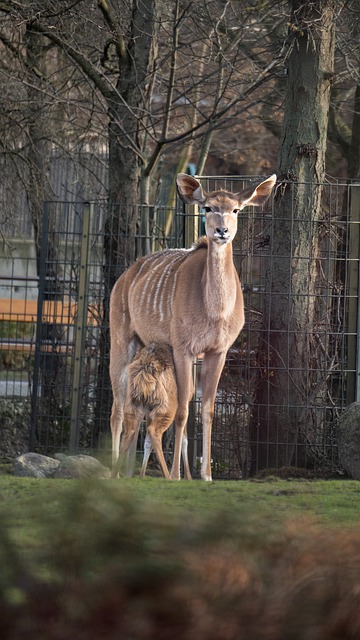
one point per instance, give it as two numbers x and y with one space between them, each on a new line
81 466
348 438
34 465
60 456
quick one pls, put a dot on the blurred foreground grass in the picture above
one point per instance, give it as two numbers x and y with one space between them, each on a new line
150 559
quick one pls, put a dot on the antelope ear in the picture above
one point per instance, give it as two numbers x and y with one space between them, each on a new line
189 189
258 195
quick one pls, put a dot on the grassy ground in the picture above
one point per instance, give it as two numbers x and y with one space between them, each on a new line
270 501
145 559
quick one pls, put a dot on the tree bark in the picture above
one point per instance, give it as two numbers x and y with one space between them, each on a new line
127 110
52 364
37 147
286 389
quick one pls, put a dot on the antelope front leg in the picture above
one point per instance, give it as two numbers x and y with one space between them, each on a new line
184 369
212 367
184 453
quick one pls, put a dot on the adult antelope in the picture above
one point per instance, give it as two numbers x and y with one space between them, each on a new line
190 299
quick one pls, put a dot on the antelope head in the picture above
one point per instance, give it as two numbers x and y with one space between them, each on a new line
221 207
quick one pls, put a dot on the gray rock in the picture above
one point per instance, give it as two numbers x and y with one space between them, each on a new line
34 465
81 466
60 456
348 438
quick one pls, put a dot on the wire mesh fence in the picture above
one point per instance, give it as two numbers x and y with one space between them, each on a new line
286 380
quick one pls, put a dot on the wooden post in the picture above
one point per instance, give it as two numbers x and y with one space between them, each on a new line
80 328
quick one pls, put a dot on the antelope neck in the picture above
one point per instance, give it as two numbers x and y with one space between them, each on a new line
219 280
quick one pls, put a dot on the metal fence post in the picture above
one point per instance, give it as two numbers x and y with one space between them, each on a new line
353 364
38 334
80 328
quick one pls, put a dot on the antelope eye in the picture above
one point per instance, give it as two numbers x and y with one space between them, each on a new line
208 209
236 211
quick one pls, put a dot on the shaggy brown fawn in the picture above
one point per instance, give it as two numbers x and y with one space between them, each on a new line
151 393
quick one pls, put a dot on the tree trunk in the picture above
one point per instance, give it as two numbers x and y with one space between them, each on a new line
52 363
286 389
37 148
127 108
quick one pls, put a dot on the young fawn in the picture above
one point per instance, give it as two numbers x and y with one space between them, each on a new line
151 392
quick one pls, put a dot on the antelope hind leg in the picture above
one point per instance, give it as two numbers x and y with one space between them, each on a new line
121 354
127 451
212 367
116 421
183 368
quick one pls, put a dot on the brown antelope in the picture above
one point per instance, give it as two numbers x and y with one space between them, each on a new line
190 299
151 392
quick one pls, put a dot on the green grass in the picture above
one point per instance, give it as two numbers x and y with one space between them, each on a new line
262 504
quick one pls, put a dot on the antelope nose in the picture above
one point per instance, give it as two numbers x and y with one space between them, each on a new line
221 231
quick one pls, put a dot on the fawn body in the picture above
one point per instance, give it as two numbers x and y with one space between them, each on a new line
151 393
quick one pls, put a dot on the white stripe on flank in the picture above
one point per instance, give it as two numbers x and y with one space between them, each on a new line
165 302
133 283
123 302
157 260
156 297
151 282
171 296
149 285
159 289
